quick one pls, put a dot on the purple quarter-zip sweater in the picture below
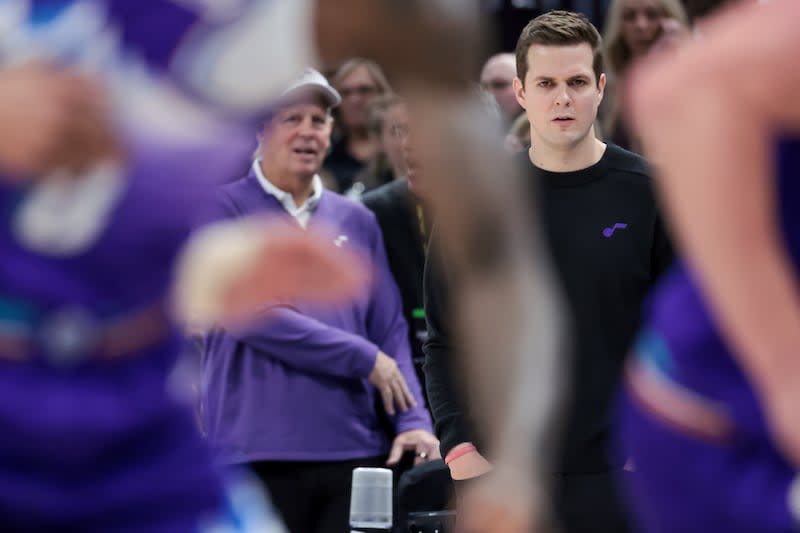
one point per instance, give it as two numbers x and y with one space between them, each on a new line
293 386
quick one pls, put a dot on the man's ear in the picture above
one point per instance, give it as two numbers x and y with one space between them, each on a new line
519 91
601 86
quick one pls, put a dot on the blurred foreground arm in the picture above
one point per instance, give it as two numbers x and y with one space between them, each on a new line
51 120
737 87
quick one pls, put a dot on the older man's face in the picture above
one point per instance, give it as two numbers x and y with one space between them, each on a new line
296 140
497 77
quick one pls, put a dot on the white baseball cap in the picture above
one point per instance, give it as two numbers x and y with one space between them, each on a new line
312 80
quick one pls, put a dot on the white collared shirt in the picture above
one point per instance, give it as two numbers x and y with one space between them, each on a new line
302 213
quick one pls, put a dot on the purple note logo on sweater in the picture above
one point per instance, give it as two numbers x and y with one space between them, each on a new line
608 232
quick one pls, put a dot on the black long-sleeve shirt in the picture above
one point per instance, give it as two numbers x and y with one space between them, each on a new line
609 246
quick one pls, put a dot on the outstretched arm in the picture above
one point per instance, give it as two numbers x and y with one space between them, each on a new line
708 117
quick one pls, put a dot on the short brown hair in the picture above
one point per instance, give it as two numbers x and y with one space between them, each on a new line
559 28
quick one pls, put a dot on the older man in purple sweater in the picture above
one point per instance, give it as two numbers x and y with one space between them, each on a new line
311 392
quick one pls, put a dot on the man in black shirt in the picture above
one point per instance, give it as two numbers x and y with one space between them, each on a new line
608 247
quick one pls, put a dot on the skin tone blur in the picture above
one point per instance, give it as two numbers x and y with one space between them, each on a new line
68 130
497 78
433 72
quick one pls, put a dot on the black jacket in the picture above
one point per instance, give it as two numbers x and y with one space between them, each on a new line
395 209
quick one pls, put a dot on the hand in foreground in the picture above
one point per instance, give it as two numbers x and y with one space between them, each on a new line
230 269
51 120
487 505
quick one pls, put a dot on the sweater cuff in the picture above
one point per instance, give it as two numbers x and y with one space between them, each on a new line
416 418
365 355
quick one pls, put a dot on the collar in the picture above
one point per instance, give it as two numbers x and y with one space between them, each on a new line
286 198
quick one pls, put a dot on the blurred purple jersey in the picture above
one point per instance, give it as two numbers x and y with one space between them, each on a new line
691 421
91 440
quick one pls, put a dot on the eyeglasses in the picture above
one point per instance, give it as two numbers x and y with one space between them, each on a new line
360 90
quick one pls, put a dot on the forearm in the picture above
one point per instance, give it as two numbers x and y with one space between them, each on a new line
718 189
309 345
443 387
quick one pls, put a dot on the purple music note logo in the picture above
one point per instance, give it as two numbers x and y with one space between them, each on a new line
608 232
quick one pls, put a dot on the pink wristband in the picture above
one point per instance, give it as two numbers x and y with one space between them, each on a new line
459 451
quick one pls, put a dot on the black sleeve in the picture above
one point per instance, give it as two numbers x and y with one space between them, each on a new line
443 387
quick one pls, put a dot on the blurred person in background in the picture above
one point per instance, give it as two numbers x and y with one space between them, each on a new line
405 223
633 29
497 76
359 81
387 118
709 414
311 391
99 196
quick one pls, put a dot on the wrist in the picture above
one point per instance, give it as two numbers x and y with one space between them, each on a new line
458 451
470 465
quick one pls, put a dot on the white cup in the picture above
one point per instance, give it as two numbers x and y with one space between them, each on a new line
371 498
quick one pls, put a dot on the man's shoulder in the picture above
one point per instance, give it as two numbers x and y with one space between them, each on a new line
626 162
342 205
386 196
236 187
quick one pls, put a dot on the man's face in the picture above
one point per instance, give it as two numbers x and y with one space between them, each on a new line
560 95
357 91
296 140
394 138
496 78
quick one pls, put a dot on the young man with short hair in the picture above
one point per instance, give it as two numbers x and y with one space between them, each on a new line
608 246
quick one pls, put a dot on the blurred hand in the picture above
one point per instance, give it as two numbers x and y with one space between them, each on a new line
228 271
423 443
479 513
502 501
51 119
389 381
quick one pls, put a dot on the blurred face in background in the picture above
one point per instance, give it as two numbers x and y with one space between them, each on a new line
394 138
357 89
497 77
641 24
296 140
399 147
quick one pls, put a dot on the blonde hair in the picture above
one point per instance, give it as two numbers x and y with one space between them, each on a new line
617 54
374 70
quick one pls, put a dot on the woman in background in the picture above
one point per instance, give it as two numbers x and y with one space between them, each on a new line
633 29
